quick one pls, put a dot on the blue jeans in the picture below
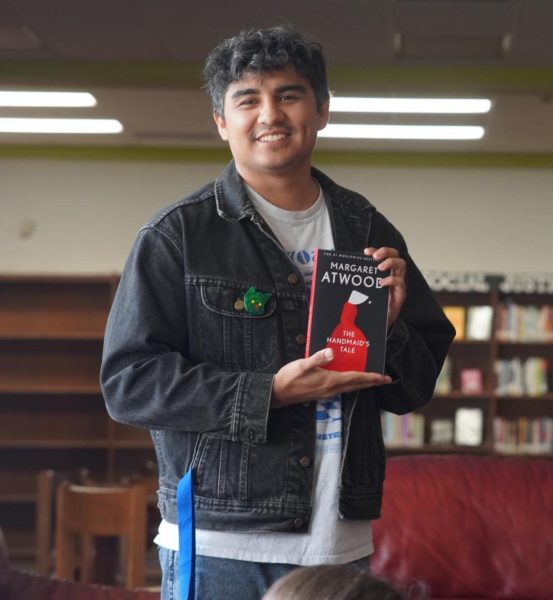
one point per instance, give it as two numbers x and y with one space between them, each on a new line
225 579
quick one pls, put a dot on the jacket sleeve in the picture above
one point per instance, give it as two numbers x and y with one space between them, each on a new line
146 376
420 338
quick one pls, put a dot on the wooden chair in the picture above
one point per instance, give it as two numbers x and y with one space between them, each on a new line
47 482
44 521
87 512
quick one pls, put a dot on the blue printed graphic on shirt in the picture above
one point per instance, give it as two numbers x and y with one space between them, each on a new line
303 259
328 411
329 426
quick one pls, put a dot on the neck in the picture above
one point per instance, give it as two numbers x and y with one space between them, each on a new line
286 193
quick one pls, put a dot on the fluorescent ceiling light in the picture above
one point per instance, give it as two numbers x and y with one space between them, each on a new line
411 105
403 132
46 99
32 125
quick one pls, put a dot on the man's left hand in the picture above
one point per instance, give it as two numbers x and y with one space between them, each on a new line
395 280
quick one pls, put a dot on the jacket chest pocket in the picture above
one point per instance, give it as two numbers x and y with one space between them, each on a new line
238 339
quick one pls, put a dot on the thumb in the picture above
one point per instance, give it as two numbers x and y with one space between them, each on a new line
322 357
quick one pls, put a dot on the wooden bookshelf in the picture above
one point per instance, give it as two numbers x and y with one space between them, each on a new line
52 414
515 369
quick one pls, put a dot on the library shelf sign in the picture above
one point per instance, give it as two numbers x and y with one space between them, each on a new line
509 283
462 281
527 283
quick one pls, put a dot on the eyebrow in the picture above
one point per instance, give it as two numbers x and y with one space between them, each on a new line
291 87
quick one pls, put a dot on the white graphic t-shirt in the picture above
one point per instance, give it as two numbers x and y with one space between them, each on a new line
329 539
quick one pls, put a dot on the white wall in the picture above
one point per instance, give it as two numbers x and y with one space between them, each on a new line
489 220
64 216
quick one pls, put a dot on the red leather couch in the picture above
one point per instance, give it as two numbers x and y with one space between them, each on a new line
468 526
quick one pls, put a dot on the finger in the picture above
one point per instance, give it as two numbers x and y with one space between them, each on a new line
392 262
395 281
395 274
354 382
320 358
358 378
365 377
381 253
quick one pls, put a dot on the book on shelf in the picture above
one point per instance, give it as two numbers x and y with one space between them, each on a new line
457 316
523 435
516 377
348 311
471 381
508 375
546 323
524 323
402 431
479 322
443 383
529 327
535 370
441 431
469 423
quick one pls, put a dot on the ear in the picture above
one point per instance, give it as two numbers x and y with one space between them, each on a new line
324 114
221 126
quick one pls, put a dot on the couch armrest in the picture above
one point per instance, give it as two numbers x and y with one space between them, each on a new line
470 526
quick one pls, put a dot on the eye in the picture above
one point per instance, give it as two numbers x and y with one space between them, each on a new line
247 102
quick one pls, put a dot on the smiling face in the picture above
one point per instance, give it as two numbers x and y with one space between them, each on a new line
271 122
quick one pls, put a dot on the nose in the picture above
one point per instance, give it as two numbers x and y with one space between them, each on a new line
270 112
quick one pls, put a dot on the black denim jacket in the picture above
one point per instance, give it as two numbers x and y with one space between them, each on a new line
182 359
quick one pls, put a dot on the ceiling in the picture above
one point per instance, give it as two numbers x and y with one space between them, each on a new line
142 60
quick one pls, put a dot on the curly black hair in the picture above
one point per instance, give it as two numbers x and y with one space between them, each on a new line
261 51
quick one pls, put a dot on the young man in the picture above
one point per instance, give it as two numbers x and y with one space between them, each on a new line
287 458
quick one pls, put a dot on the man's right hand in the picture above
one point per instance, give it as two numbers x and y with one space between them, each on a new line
304 380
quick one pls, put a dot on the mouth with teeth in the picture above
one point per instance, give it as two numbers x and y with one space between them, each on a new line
272 137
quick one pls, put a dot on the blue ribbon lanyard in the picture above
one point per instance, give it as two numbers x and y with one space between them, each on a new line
187 537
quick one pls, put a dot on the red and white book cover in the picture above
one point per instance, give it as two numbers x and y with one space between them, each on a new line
348 311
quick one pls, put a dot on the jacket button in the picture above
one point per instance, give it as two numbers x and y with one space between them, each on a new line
298 523
239 304
305 461
300 339
293 278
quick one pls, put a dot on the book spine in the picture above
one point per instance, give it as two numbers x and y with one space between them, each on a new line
311 304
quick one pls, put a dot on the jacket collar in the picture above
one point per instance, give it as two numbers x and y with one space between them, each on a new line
231 198
350 212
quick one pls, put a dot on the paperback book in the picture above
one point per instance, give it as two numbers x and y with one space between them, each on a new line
479 322
348 311
441 431
471 381
469 426
457 316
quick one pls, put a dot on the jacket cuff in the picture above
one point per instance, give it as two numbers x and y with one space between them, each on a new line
253 400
